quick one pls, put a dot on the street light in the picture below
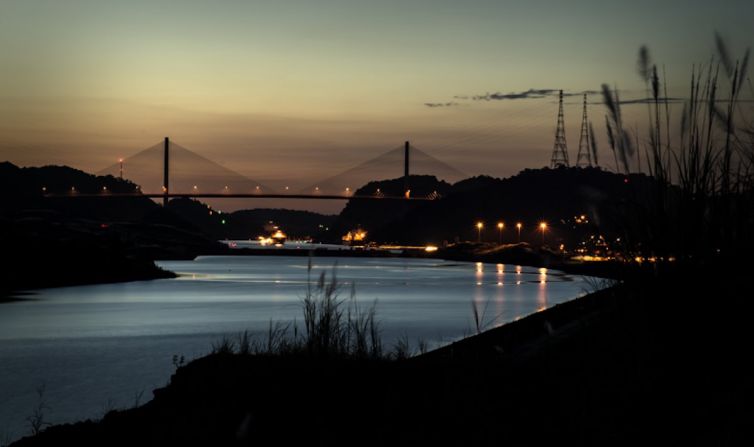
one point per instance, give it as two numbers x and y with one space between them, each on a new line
500 227
543 227
479 226
518 227
120 160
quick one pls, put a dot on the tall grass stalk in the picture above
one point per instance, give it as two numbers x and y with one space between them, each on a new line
700 200
333 326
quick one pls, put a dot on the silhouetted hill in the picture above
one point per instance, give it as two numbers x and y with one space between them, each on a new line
75 240
248 224
23 189
373 215
555 196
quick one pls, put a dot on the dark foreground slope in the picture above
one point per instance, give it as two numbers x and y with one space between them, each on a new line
654 362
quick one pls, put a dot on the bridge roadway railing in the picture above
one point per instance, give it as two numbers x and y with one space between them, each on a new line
237 196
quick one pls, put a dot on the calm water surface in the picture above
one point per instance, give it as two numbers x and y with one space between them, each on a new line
99 347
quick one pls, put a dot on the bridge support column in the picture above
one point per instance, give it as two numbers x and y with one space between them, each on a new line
406 187
166 173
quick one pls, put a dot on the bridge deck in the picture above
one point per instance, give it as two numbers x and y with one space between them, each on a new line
237 196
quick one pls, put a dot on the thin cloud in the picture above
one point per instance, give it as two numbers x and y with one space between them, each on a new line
532 93
650 100
528 94
433 105
670 100
628 102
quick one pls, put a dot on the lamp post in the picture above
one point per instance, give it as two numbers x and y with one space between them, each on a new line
518 227
500 226
543 227
120 160
479 226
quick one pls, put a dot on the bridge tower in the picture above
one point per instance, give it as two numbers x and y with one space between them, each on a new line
560 148
406 186
584 157
166 173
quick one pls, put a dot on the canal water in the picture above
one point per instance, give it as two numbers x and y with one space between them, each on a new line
100 347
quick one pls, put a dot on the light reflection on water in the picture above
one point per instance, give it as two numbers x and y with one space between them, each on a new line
93 344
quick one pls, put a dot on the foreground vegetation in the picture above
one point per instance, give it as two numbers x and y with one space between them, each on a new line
700 205
334 328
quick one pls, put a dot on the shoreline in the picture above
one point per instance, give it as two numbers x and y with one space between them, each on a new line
17 293
605 269
612 270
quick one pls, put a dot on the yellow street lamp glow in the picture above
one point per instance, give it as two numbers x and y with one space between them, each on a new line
543 227
479 226
500 225
518 227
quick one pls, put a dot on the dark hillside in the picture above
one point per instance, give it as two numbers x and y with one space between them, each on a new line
555 196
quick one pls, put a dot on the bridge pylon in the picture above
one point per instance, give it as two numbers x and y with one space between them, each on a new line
166 174
406 186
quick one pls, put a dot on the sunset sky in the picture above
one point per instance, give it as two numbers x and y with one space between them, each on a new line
304 89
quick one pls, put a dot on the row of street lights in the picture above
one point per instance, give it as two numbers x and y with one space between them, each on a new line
501 226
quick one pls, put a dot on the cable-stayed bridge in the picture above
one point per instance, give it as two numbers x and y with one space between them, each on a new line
168 170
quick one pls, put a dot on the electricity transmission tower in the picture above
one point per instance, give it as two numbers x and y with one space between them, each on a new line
584 157
560 148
